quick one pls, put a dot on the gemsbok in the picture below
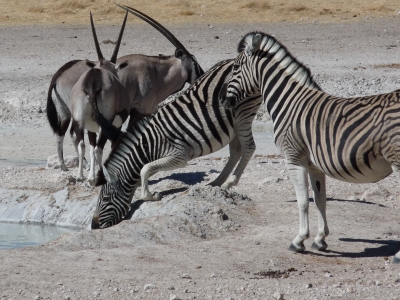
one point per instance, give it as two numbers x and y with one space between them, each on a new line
148 80
97 89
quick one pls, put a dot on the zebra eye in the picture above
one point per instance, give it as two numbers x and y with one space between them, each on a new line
235 68
106 199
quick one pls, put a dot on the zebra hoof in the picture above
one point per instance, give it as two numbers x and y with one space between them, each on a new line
157 196
80 179
296 249
396 260
320 247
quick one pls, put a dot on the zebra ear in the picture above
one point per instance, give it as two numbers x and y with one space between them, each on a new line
110 177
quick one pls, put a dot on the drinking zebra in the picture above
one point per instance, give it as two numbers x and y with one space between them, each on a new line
190 126
354 140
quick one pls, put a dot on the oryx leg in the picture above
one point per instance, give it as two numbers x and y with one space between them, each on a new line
75 142
234 156
317 179
396 171
163 164
99 148
64 118
298 176
81 150
92 141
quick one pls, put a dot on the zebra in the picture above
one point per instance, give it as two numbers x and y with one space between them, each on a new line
350 139
190 126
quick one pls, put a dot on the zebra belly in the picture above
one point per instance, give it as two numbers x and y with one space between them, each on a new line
378 169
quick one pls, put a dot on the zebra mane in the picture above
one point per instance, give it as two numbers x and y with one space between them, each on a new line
131 136
271 45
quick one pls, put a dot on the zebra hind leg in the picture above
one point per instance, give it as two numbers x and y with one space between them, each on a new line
317 179
298 176
248 147
163 164
234 156
396 171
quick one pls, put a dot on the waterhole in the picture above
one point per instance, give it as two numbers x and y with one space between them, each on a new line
19 235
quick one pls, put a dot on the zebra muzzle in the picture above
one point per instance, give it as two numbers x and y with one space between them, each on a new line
95 223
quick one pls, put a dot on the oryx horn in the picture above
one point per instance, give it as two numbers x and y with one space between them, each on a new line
157 26
114 56
96 42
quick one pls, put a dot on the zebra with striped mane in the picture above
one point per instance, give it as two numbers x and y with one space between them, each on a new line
351 139
193 125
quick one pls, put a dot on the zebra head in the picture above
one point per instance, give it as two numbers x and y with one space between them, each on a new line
238 84
113 202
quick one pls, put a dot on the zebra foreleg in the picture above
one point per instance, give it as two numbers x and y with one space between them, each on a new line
317 179
396 171
162 164
298 176
234 156
247 148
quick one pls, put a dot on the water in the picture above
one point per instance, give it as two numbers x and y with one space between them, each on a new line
16 235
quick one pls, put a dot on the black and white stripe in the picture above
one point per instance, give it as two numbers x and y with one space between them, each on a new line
353 140
193 125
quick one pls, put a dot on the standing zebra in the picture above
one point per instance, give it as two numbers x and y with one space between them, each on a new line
192 125
354 140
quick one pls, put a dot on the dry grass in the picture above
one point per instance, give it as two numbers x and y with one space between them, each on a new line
388 66
256 5
177 11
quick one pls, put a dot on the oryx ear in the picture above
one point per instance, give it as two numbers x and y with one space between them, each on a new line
90 64
110 177
121 65
179 53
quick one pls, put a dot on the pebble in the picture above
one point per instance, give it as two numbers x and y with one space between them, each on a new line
149 287
328 275
278 296
309 285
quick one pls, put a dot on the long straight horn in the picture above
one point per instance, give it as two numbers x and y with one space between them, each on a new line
157 26
116 49
96 42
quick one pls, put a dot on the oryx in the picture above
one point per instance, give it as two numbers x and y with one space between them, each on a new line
148 80
97 89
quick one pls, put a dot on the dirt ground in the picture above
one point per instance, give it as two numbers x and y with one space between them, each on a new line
201 242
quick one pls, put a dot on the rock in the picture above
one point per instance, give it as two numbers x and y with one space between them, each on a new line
278 296
149 287
70 162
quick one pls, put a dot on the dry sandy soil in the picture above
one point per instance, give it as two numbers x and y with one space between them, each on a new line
201 242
